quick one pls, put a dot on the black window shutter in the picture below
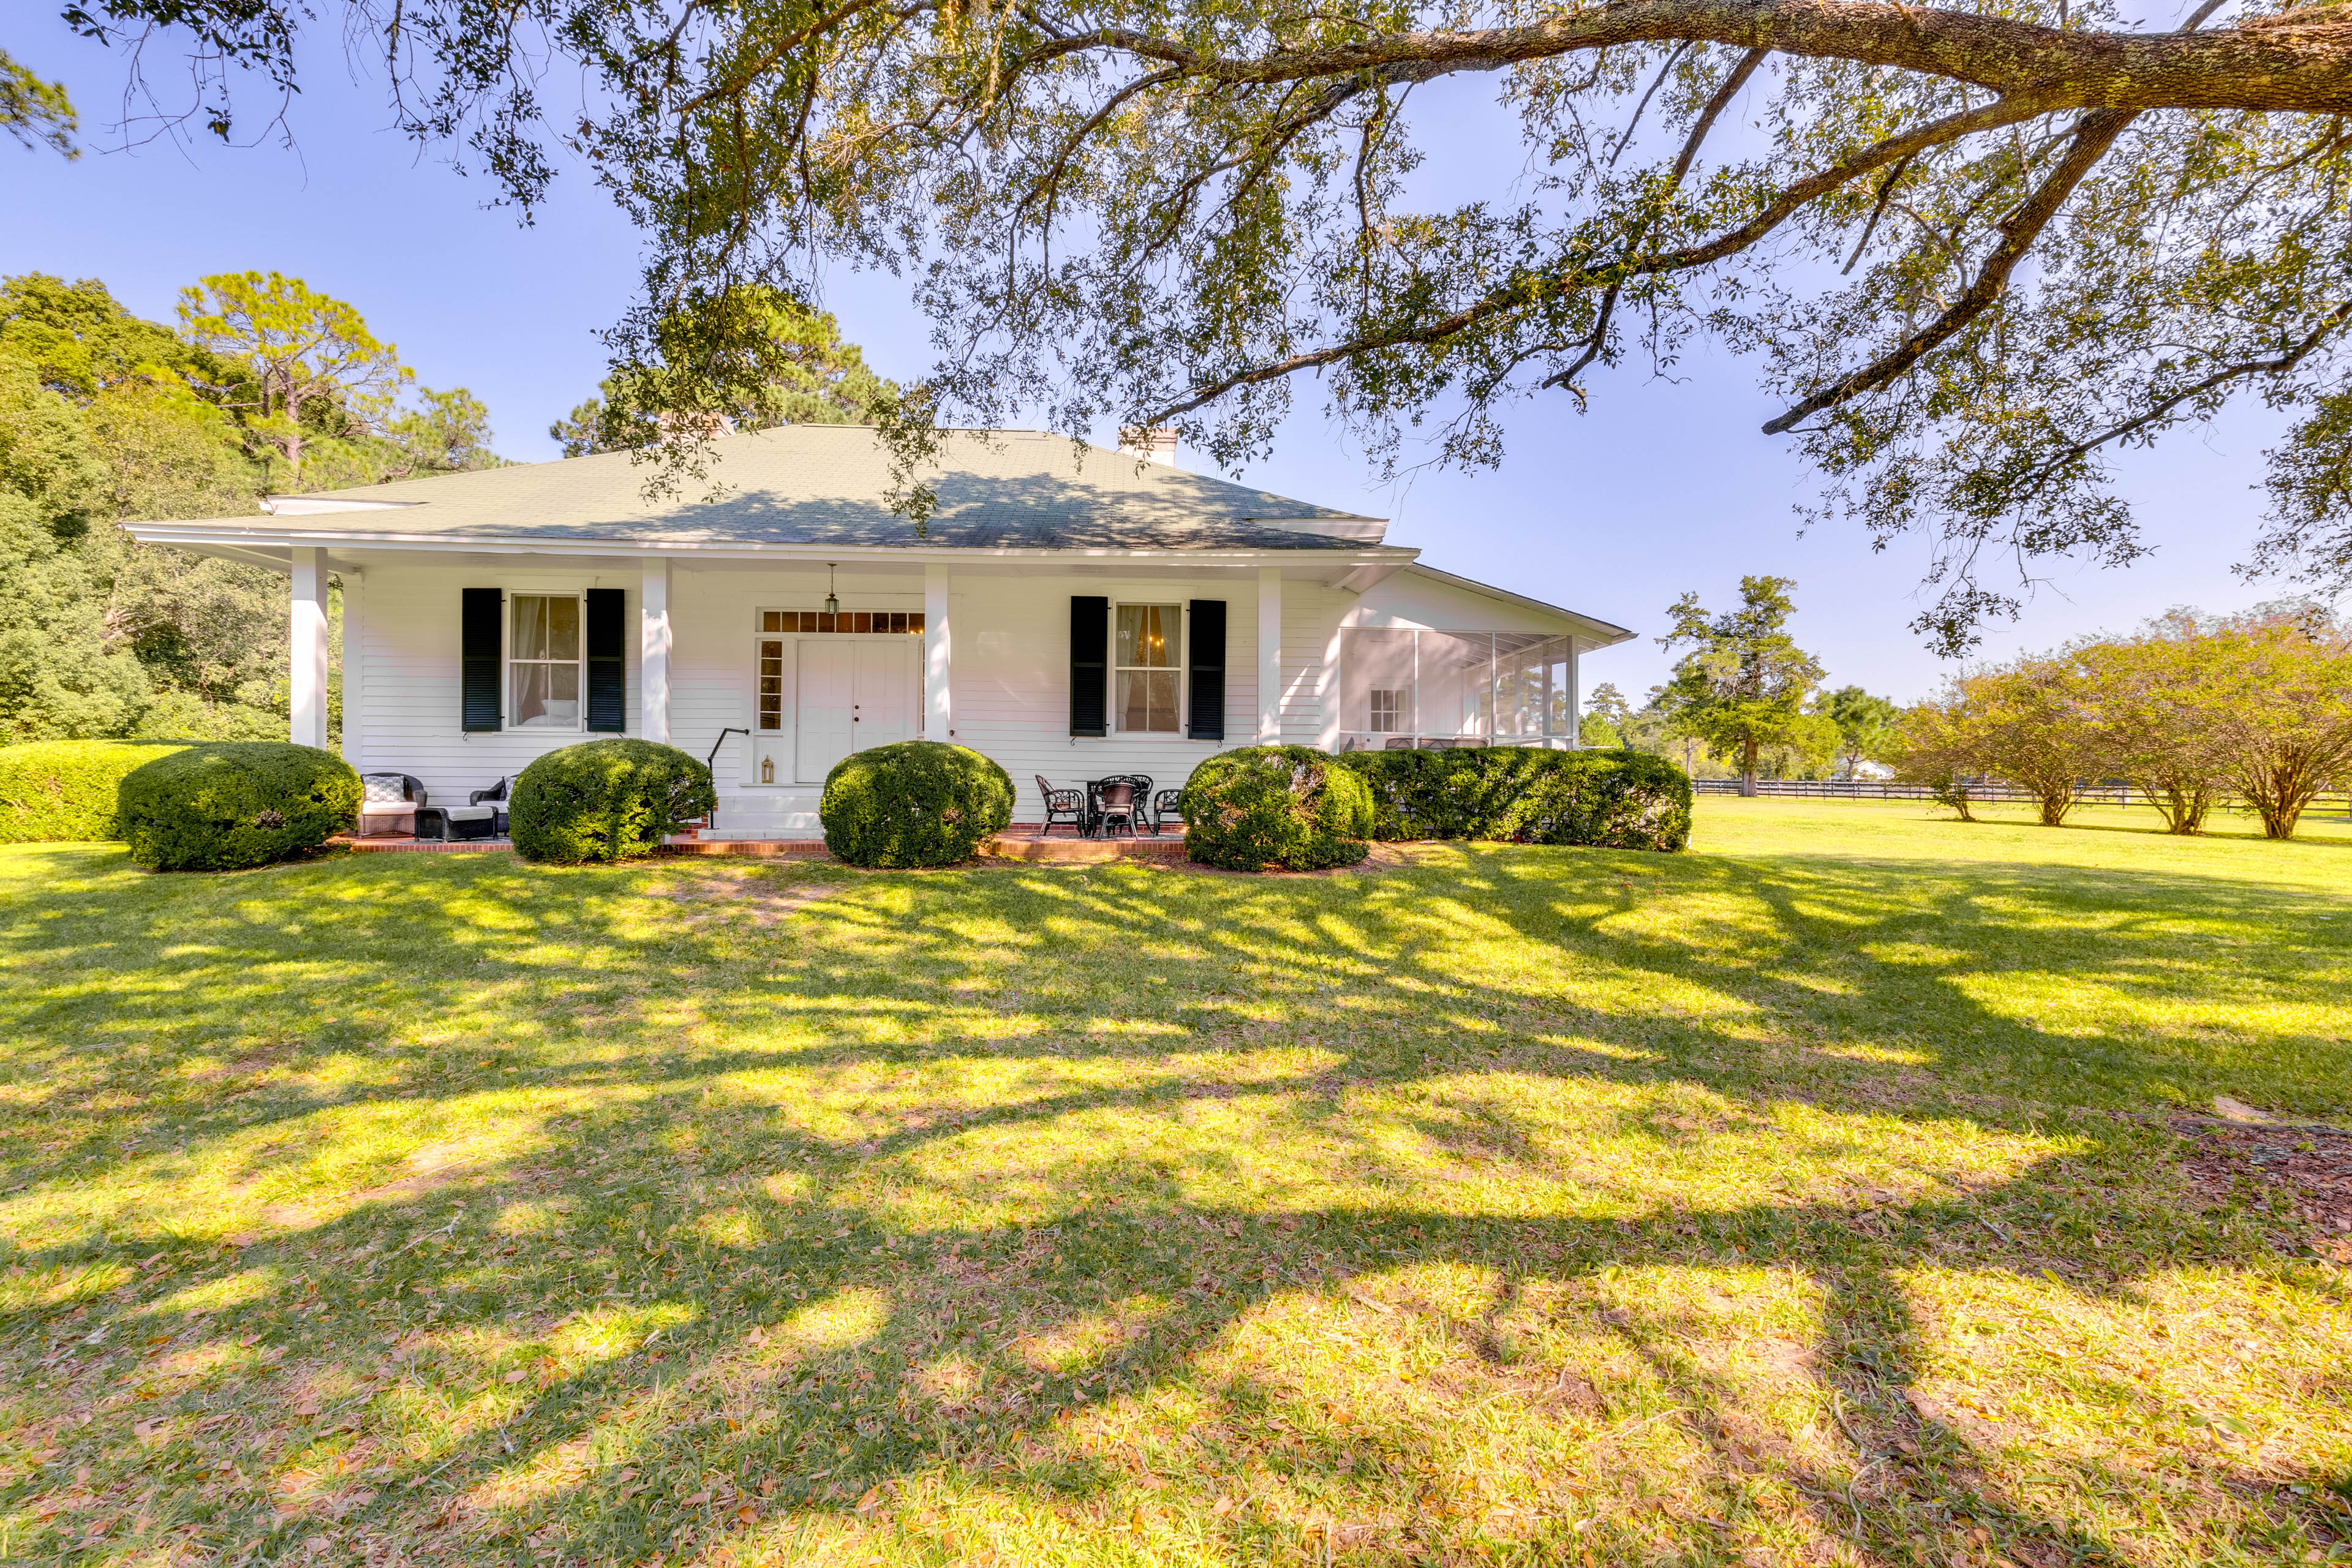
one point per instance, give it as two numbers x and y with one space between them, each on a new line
1208 693
1089 664
478 672
608 669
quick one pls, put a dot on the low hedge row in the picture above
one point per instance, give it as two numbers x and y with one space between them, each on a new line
1291 807
222 806
64 790
1614 800
605 800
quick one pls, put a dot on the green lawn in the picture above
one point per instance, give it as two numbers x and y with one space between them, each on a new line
1807 1198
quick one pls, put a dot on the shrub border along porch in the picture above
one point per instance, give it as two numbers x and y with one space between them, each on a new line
1609 800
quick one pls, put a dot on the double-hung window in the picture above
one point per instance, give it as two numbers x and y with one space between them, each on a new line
543 651
1147 662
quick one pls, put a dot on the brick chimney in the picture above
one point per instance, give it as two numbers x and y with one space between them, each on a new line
1157 445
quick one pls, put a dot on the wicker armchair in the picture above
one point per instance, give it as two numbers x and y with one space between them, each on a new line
496 798
1068 806
389 802
1114 801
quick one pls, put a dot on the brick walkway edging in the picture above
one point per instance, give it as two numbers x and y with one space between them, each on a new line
1025 848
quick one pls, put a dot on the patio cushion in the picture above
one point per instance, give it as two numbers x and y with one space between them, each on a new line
470 813
389 789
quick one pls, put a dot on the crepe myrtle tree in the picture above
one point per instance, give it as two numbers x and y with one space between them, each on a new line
1978 251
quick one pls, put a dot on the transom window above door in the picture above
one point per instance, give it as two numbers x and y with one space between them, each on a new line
1145 659
852 622
543 661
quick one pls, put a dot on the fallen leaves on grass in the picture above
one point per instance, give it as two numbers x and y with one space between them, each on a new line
2308 1169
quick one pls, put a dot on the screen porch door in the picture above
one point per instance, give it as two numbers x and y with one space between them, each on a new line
852 694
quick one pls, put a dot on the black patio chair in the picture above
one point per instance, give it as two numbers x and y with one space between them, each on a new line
1114 801
1141 783
1165 805
496 796
1062 805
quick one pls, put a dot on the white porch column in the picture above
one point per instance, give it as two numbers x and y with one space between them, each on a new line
307 719
1575 697
1269 655
653 650
1327 691
938 663
354 668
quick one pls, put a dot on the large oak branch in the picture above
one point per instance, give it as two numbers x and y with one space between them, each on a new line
2278 65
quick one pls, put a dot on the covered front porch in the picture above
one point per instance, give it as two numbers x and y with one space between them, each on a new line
459 666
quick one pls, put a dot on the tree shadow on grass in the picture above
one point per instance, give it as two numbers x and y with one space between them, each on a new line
1021 1370
891 1231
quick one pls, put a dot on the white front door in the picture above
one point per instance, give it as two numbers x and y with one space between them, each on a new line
850 695
821 708
882 693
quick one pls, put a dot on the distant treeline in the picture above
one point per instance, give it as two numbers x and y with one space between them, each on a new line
262 385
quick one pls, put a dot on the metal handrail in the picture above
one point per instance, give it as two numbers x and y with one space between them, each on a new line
711 817
712 760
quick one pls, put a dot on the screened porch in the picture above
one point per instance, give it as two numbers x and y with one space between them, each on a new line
1403 688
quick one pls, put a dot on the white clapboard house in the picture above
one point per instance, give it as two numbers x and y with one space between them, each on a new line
1072 613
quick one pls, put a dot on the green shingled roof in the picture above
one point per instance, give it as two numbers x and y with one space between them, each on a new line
825 484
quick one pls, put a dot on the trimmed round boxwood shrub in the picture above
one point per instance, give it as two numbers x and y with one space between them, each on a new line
1290 806
1614 800
64 791
222 806
917 802
606 800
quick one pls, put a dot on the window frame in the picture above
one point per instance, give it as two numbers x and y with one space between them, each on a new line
507 661
1178 670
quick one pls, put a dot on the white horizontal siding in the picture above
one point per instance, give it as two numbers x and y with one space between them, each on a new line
408 708
1011 674
1012 682
1310 614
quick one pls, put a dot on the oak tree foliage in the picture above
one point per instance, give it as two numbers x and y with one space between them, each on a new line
787 364
1869 728
1979 251
36 113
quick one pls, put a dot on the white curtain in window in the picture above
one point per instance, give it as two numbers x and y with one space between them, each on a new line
543 661
1146 660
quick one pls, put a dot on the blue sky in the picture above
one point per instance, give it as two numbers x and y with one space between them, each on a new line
1662 487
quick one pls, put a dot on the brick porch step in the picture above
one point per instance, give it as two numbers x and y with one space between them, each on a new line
1018 843
1066 849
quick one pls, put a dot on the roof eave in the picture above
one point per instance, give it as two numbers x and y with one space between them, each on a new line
235 535
1602 634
